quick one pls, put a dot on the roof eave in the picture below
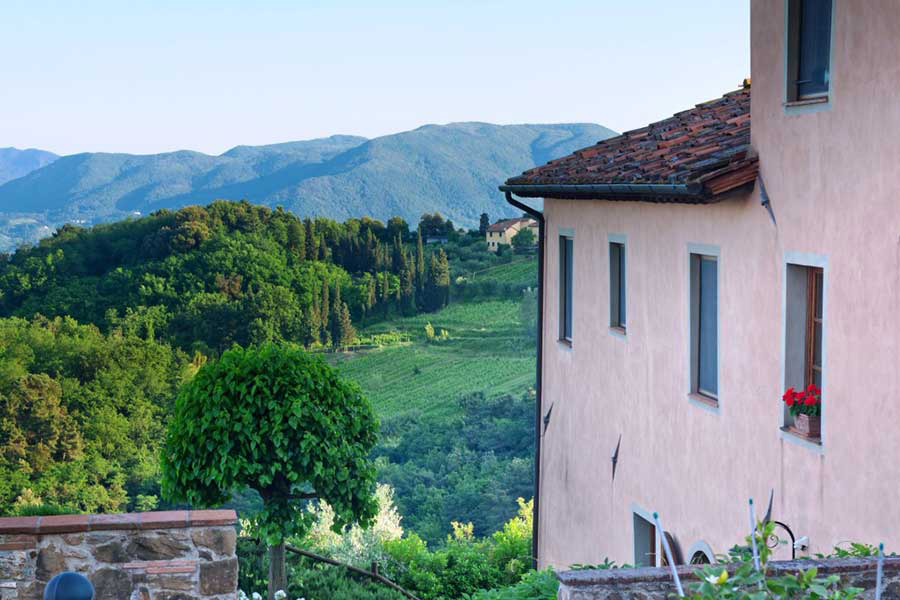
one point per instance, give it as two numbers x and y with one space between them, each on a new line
686 193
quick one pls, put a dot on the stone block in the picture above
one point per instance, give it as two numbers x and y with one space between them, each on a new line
221 540
111 583
219 577
162 545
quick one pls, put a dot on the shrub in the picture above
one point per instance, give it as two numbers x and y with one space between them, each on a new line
536 585
512 545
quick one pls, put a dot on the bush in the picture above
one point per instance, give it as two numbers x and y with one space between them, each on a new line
512 545
536 585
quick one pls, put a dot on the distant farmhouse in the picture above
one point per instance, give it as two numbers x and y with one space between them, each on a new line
720 308
502 232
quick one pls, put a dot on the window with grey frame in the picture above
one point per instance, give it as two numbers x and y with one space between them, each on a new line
566 249
617 285
809 49
804 328
705 325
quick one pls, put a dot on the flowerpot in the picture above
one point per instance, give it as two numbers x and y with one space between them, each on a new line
808 425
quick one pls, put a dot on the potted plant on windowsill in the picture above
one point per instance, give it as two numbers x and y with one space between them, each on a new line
806 408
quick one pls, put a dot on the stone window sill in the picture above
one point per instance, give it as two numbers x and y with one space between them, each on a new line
789 430
806 102
704 401
617 331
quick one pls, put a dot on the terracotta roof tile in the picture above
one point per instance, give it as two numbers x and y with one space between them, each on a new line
505 224
693 146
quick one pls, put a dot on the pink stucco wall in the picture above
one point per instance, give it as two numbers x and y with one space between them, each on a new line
834 180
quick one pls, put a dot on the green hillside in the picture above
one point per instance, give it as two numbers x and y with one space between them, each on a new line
487 351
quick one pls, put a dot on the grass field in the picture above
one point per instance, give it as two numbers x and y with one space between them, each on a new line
486 352
521 270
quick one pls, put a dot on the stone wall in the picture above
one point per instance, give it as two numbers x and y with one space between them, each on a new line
656 583
175 555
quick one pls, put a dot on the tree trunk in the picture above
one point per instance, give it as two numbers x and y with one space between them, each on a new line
277 574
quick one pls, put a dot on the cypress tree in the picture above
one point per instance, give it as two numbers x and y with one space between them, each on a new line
443 278
323 248
371 297
346 331
324 316
336 317
420 271
312 249
385 292
297 239
432 301
398 258
483 224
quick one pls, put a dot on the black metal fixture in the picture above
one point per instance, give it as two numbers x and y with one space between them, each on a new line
69 586
774 540
764 200
615 457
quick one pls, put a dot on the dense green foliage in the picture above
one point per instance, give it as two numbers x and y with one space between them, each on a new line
282 422
204 278
467 467
536 585
81 415
454 169
746 582
460 566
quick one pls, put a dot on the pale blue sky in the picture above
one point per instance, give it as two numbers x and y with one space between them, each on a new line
149 76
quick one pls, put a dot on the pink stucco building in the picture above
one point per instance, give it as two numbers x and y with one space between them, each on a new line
695 269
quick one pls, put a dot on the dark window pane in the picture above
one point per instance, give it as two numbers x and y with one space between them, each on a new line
568 248
617 284
817 344
819 287
817 379
622 285
707 372
814 47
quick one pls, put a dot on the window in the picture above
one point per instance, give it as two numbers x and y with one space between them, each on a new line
804 328
644 542
809 49
705 325
814 318
617 285
566 247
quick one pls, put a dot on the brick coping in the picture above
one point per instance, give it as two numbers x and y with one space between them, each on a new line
616 577
172 519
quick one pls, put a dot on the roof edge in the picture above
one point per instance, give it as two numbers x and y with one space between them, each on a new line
686 192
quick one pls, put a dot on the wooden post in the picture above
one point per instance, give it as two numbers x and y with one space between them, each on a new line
277 574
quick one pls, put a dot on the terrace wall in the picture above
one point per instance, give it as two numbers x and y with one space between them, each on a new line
175 555
656 583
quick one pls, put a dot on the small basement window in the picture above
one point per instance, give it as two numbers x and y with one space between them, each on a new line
566 250
809 50
644 542
617 285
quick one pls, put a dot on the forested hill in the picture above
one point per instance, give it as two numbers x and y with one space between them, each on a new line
452 169
15 163
203 278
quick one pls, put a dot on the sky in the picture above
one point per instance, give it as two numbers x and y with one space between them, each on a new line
154 76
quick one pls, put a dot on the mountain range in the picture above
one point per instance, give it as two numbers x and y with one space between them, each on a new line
451 169
15 163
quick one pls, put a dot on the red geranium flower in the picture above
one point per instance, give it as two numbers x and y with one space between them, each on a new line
810 400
